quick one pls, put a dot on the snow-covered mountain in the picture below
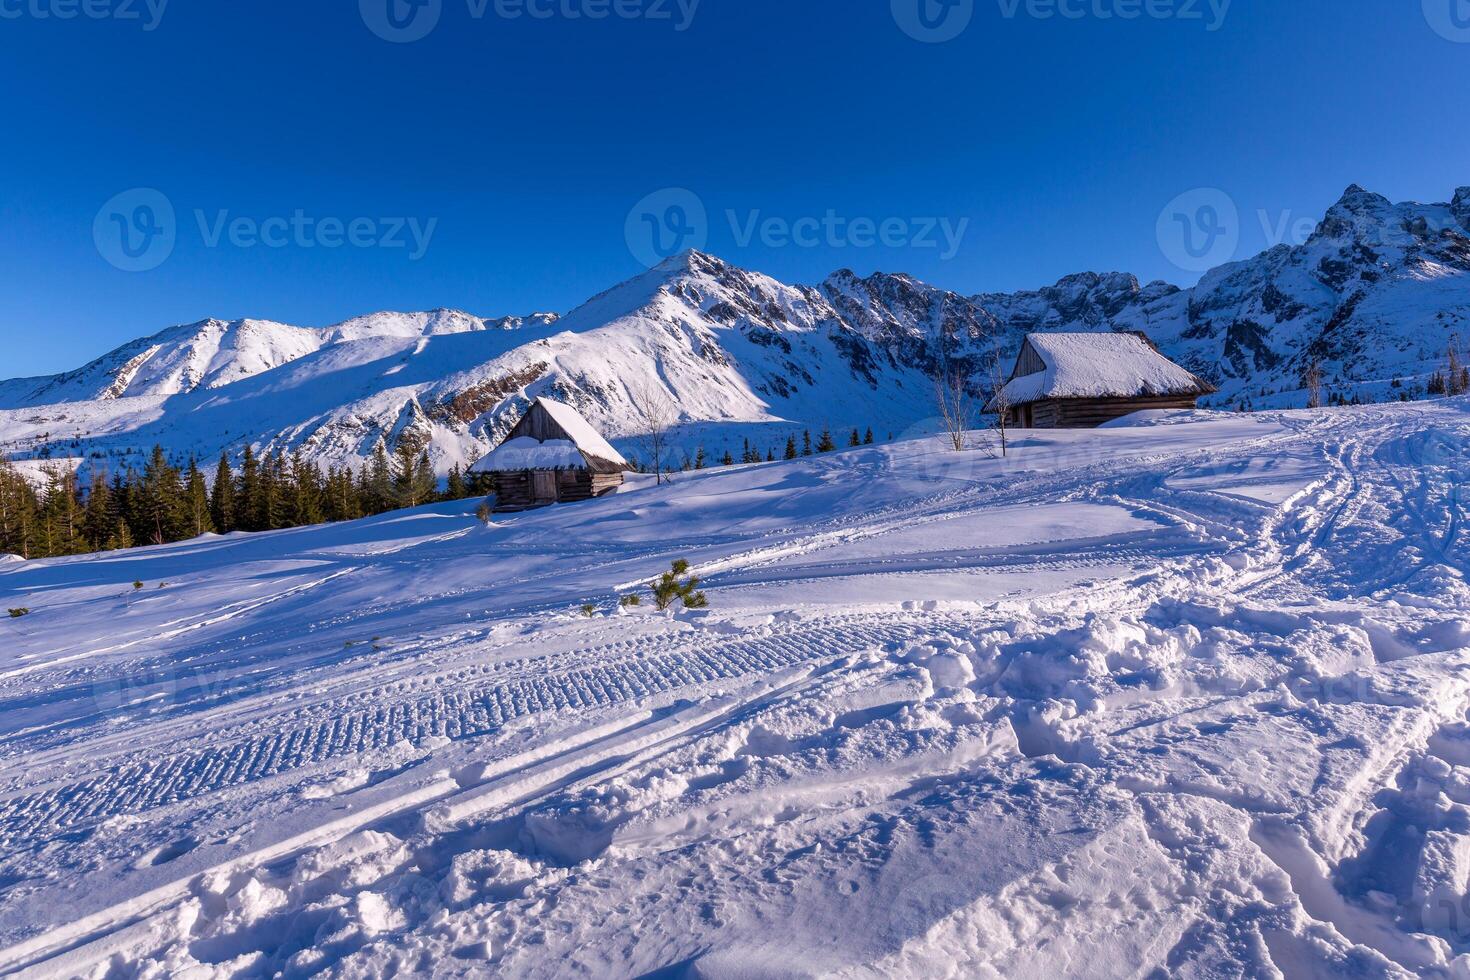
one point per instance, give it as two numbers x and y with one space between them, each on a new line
1376 294
730 352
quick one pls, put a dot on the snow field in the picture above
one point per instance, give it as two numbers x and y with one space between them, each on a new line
1188 698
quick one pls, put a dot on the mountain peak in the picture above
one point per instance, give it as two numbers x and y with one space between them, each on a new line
692 260
1359 198
1461 204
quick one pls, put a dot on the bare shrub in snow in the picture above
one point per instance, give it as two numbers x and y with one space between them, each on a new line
1312 381
956 407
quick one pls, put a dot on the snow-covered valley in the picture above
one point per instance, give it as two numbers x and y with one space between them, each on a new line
1182 697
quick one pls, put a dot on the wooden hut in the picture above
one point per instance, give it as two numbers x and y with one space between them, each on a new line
1081 380
552 456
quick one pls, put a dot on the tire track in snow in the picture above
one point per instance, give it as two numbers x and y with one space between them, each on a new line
364 723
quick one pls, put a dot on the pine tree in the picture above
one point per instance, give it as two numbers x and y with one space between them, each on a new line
18 513
770 455
379 481
119 506
99 522
122 539
826 445
791 447
222 497
248 505
306 492
160 500
856 439
197 519
699 460
728 460
868 437
273 484
455 487
426 484
806 443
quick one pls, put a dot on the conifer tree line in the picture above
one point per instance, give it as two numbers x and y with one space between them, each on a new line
751 453
165 502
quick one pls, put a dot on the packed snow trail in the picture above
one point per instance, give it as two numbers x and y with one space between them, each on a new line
1186 696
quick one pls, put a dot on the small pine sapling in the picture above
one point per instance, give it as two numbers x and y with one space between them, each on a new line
483 513
677 584
589 610
631 601
18 613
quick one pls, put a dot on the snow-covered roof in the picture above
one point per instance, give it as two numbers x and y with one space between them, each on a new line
583 448
1097 365
526 453
587 439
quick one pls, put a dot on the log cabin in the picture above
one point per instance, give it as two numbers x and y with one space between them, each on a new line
552 456
1081 380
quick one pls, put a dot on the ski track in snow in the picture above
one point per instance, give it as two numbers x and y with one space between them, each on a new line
1155 700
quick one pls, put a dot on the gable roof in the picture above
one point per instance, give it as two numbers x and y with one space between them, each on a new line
552 436
1096 365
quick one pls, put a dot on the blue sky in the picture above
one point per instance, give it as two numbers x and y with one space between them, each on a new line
519 146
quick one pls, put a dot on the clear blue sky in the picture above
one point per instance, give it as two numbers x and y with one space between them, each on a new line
529 140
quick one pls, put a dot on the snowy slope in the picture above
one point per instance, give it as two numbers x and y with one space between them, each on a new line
1185 699
1376 295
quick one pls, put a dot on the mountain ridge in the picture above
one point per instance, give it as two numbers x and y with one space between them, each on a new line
1375 294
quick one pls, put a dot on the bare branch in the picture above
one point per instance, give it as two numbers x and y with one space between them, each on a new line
1001 400
656 416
